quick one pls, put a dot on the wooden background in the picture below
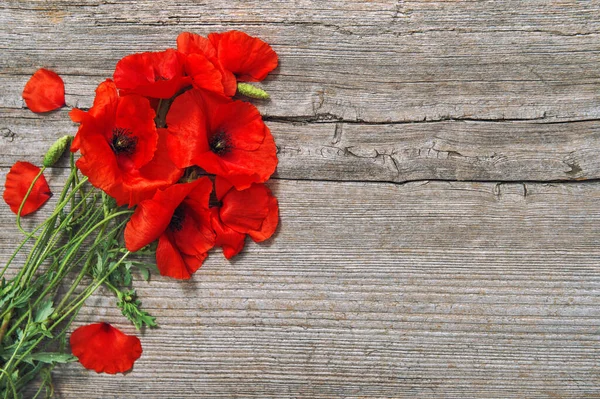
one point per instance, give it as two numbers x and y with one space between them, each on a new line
439 183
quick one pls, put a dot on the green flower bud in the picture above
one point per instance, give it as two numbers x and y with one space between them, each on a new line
253 92
56 150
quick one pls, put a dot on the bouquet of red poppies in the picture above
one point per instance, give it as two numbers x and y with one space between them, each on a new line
164 167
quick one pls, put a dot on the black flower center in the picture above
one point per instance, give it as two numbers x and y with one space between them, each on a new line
122 141
219 143
177 219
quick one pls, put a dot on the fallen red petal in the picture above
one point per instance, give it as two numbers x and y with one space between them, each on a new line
18 180
105 349
45 91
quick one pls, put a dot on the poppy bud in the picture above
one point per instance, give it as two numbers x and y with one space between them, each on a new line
251 91
56 150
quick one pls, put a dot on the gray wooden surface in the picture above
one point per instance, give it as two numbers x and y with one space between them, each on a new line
439 184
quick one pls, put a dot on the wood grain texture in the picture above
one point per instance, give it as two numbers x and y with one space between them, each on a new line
435 241
378 290
450 150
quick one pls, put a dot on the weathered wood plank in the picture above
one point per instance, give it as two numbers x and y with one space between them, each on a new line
508 151
379 61
379 290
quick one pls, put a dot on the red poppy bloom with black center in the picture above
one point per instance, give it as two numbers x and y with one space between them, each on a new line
236 55
224 137
180 219
152 74
45 91
105 349
18 181
122 152
253 211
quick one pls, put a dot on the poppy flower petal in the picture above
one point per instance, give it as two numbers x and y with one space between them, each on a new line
194 262
240 120
270 223
45 91
195 236
105 102
105 349
172 263
151 74
199 197
77 115
18 181
204 74
102 112
135 117
191 43
245 210
187 126
249 58
222 187
242 168
157 174
230 240
152 217
98 161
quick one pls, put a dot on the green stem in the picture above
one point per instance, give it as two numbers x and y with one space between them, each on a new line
77 303
12 384
89 255
7 364
90 290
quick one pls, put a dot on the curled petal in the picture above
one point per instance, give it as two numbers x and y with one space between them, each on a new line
18 181
105 349
45 91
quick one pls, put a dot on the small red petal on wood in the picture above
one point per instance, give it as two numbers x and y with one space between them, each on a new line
45 91
18 180
105 349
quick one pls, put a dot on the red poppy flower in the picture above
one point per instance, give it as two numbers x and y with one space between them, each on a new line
152 74
248 58
105 349
18 181
45 91
224 137
180 219
253 211
192 45
121 151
